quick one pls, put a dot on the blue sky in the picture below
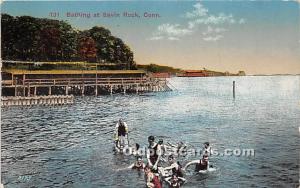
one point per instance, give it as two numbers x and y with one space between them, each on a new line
260 37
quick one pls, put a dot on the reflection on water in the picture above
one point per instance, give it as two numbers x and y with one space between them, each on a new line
71 146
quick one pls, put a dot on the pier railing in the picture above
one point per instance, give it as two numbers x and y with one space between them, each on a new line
83 85
75 81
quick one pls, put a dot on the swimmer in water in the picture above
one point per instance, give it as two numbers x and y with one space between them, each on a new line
120 133
152 180
175 182
153 154
174 166
138 165
201 164
135 150
207 149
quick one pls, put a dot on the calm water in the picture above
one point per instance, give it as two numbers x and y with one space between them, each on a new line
71 146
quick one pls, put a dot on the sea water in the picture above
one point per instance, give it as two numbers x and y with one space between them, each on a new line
71 146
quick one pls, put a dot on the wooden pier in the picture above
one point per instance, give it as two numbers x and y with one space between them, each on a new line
37 100
27 83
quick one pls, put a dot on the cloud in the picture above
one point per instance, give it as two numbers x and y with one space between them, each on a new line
213 34
211 30
208 31
215 20
156 38
242 20
212 20
173 30
173 38
213 38
219 30
199 16
199 11
170 32
191 24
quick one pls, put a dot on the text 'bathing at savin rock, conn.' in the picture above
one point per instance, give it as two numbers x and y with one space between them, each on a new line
125 14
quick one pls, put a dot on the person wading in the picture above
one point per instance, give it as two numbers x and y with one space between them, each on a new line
201 164
121 132
153 154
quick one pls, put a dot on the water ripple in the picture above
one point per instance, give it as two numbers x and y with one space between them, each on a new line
71 146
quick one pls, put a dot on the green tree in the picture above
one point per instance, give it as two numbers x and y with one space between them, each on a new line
34 39
26 38
68 42
87 49
8 32
50 43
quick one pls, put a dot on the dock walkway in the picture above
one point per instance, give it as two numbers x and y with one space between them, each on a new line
31 83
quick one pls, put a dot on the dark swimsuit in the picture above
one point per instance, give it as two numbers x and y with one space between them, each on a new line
121 130
201 166
153 157
138 167
178 171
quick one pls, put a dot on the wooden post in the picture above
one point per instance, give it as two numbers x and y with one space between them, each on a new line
23 81
82 90
111 89
23 91
28 91
35 91
12 78
96 85
233 89
96 90
67 92
49 90
15 82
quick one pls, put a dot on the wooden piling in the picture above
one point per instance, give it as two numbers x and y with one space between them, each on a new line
28 90
82 90
137 88
233 89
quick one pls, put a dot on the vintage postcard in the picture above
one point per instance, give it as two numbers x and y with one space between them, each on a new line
150 94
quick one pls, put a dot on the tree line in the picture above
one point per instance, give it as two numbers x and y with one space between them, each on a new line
26 38
159 68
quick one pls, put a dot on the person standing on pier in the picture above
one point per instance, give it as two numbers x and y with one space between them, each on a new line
121 133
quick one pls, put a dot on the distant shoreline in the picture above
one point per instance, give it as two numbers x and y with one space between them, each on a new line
274 75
